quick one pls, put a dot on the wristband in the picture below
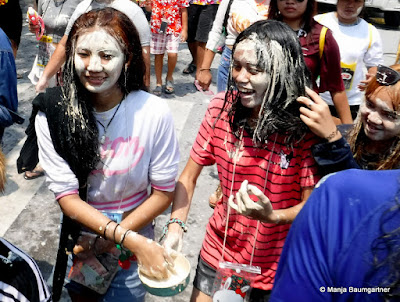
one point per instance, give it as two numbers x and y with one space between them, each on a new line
173 220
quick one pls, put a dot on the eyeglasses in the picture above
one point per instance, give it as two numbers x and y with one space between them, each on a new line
387 76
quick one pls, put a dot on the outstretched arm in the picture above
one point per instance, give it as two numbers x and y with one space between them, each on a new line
181 205
55 63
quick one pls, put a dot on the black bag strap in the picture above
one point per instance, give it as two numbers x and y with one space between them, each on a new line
226 17
69 234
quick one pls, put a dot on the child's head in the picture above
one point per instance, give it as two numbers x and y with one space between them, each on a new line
269 73
378 121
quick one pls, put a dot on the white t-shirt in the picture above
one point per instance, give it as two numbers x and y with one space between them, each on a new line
360 47
130 9
140 149
242 14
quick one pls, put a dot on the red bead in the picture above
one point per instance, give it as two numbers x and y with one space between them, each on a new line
124 264
133 258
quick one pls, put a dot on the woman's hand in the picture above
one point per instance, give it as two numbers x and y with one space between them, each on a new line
260 209
153 261
318 117
174 239
33 28
87 245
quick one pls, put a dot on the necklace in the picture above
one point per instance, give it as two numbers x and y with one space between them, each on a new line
105 128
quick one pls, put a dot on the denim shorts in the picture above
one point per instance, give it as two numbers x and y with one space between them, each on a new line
126 285
204 282
223 69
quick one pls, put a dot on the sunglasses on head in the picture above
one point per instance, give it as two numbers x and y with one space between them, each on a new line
387 76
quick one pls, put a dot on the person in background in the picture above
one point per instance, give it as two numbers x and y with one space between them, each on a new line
374 141
241 14
131 9
344 244
360 47
8 85
102 130
169 23
253 133
11 22
55 15
322 60
201 15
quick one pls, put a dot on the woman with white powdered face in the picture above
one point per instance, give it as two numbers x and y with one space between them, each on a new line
102 142
253 133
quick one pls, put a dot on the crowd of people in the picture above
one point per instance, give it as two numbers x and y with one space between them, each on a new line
295 107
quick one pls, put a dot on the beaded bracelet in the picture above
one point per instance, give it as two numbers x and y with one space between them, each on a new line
173 220
330 136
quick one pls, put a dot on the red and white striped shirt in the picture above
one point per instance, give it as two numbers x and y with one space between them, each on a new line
216 144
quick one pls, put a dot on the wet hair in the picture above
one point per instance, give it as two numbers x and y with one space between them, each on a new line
386 255
279 54
79 129
308 17
358 139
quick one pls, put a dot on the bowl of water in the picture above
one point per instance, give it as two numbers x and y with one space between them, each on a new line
177 280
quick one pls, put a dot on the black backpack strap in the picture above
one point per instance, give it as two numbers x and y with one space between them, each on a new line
70 231
226 17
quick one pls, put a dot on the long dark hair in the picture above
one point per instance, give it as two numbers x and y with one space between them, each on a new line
280 55
78 130
307 20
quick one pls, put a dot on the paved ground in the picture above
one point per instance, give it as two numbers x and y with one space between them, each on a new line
29 215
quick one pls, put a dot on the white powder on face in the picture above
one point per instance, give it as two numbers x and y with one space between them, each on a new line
99 60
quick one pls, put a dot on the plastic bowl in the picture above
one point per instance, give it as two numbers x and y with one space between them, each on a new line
175 284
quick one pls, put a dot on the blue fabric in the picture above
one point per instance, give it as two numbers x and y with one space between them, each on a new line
8 81
223 69
329 243
335 156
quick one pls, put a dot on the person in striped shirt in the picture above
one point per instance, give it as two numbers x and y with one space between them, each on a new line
254 135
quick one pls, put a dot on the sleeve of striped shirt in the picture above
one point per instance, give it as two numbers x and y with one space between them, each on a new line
203 148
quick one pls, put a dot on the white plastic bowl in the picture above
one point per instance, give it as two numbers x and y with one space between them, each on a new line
175 284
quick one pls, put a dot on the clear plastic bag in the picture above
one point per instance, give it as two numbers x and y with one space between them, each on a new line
233 282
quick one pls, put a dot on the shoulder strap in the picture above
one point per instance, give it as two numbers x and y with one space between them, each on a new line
370 35
322 40
226 17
